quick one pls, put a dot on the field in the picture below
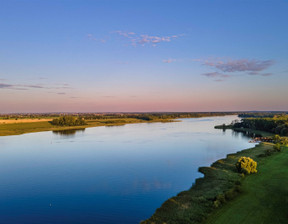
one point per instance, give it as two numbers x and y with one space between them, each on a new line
264 198
24 121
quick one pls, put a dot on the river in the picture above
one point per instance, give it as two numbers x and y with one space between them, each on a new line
106 175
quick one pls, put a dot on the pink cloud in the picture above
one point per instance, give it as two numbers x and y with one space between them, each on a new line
242 65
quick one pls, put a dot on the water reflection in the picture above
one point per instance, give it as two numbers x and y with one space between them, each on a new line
68 132
246 133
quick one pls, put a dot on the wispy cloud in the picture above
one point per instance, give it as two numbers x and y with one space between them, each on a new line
266 74
229 67
136 39
218 77
146 39
18 87
261 74
242 65
5 86
32 86
188 60
125 34
109 96
246 66
61 93
92 37
169 60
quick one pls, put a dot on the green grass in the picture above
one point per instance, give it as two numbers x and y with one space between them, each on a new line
22 128
222 186
265 196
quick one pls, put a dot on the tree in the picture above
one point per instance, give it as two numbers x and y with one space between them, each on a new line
246 165
67 120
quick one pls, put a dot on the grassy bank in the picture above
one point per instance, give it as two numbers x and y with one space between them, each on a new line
223 192
29 127
264 198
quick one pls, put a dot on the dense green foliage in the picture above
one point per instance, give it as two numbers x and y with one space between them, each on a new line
68 121
154 116
280 140
278 124
246 165
261 114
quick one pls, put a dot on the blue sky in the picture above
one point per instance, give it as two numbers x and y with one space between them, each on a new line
114 55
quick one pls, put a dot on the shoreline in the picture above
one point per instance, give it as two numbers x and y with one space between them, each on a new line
41 126
220 185
20 128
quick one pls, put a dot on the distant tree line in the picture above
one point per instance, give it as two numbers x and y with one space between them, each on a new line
68 120
278 124
261 114
153 116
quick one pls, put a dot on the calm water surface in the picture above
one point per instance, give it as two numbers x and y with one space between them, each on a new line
106 174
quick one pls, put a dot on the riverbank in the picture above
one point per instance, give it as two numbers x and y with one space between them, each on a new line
18 128
21 124
215 196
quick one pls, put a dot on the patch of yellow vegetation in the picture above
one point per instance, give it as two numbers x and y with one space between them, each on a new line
23 121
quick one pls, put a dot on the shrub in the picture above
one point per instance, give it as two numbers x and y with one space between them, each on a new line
216 204
246 165
229 195
277 147
268 152
68 121
276 139
219 200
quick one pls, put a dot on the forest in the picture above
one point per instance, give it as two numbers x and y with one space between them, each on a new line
278 124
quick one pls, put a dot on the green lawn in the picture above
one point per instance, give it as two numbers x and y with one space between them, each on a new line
265 196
